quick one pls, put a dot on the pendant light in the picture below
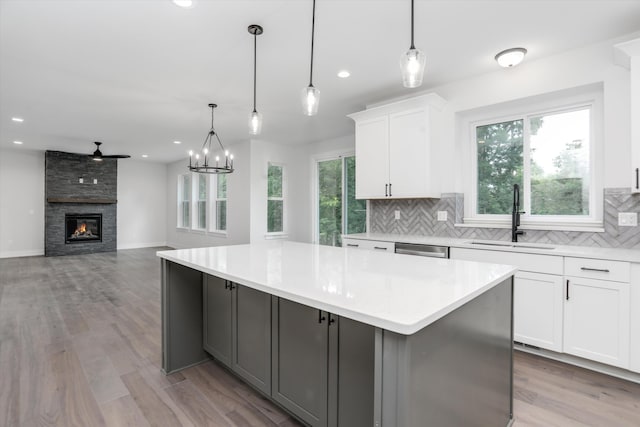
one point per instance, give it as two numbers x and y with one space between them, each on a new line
206 166
311 95
412 62
255 118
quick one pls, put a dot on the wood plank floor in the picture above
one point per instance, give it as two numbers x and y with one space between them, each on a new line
80 346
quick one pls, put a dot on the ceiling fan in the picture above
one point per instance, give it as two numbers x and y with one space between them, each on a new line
98 156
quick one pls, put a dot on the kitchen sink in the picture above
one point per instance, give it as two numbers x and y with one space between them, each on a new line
512 245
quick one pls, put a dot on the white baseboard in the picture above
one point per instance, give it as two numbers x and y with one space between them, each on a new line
141 245
17 254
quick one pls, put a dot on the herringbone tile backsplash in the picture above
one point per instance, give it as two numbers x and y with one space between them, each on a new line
419 217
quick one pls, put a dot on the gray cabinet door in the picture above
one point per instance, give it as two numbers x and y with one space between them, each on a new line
217 318
252 333
351 373
300 359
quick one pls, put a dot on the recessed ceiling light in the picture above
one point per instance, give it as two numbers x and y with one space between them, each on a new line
17 119
184 3
177 142
343 74
17 142
511 57
145 156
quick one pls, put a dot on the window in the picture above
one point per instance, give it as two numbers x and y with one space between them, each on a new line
275 199
551 155
337 208
220 203
184 200
201 202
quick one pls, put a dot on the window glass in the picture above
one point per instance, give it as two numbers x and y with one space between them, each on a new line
560 163
500 162
547 155
275 199
221 215
185 201
330 202
202 201
356 210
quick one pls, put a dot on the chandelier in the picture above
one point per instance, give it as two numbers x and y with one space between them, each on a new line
202 162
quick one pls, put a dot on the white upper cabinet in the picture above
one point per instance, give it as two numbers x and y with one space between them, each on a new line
395 147
628 55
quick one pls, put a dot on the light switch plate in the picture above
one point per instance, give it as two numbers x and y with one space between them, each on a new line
442 215
629 219
80 180
95 180
397 214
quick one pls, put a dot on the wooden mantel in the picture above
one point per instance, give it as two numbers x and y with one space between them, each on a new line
81 200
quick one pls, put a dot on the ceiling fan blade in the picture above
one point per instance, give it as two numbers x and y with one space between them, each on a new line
97 155
116 156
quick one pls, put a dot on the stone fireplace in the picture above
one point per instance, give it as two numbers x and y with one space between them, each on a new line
80 205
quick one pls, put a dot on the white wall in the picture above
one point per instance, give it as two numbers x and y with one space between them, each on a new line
21 203
238 208
580 67
142 201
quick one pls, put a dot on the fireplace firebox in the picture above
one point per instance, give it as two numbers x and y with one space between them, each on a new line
81 228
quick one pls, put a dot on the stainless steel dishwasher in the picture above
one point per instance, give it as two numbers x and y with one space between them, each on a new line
422 250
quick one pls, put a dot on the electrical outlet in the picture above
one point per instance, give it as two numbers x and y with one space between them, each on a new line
442 215
397 214
628 219
80 180
95 180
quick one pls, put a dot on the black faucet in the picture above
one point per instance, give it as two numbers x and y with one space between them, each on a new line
515 215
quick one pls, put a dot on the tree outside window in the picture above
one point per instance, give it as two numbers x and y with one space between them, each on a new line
275 199
547 155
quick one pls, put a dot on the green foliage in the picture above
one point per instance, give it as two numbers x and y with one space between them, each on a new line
500 164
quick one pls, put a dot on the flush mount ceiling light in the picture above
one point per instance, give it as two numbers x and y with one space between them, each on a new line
255 118
205 166
511 57
343 74
184 3
17 142
17 119
144 156
412 62
177 142
311 95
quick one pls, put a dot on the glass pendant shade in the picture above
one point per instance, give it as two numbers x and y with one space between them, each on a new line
310 100
412 64
255 123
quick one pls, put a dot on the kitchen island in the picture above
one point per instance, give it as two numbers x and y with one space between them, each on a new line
342 337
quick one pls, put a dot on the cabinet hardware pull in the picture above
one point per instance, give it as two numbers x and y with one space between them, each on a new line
567 289
380 248
353 245
231 286
602 270
637 179
386 192
331 320
390 190
226 284
321 318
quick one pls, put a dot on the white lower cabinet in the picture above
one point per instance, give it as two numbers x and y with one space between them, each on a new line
596 320
537 310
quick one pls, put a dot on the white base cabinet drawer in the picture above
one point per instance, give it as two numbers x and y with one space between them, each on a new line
538 310
372 245
596 320
618 271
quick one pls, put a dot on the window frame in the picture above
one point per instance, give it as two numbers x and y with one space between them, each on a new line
181 200
591 98
284 233
195 208
213 205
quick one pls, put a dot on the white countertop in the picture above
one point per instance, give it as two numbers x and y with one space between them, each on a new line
396 292
613 254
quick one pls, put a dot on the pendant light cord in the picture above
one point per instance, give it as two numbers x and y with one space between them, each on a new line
313 26
412 45
255 41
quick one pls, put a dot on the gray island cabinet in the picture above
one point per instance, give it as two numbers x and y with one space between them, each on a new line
347 338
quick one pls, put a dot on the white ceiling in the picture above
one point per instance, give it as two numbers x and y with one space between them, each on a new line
138 74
